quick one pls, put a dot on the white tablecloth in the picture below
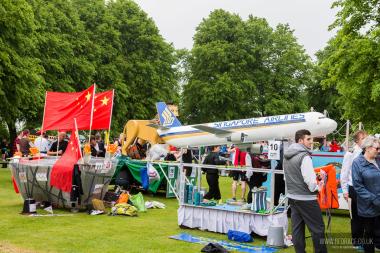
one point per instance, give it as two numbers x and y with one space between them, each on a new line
221 221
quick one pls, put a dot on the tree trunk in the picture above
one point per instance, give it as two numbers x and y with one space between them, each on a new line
12 133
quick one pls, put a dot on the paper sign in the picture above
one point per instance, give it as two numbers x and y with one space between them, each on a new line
22 177
98 166
171 172
41 177
32 208
274 150
107 166
98 188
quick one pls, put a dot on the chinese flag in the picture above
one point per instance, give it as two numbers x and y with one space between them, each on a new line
61 175
61 108
102 110
15 187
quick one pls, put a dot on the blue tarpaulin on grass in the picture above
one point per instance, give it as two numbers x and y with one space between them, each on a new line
240 247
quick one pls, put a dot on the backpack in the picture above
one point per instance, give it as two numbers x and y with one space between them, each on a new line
239 236
124 209
122 179
123 198
134 152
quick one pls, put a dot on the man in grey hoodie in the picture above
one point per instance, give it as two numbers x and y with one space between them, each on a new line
302 188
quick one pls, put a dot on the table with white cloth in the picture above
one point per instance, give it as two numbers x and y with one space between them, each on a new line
222 218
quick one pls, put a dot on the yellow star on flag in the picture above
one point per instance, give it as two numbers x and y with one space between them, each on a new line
88 96
105 100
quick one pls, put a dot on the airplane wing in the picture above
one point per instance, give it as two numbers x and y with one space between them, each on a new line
212 130
158 126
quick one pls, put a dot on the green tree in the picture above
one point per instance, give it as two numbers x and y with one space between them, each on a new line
353 65
241 69
288 70
322 97
130 56
21 89
63 46
147 63
352 69
356 17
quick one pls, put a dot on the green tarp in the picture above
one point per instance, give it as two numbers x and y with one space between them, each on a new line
135 166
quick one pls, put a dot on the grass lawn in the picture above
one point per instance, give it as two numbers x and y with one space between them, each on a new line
81 232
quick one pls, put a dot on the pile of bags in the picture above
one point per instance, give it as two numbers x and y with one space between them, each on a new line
124 204
129 204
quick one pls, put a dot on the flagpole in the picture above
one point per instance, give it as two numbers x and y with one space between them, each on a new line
92 112
109 127
57 143
77 136
43 121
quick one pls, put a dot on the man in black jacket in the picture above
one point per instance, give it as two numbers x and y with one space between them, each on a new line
212 175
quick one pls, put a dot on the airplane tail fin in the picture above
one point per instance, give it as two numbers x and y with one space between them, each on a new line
167 117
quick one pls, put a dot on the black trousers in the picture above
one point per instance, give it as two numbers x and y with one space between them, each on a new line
279 187
357 226
307 212
213 183
256 180
377 232
369 234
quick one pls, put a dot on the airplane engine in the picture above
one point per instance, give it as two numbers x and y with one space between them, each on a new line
236 138
252 148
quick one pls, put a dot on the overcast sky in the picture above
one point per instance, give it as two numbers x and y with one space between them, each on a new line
177 19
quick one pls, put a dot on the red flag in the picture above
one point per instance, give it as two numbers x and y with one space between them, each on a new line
15 187
61 175
103 110
61 108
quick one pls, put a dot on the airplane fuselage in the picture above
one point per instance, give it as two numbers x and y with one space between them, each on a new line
249 130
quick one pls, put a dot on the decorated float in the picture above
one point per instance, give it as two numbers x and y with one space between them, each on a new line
73 179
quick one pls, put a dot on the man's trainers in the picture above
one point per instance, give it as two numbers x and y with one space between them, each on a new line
96 212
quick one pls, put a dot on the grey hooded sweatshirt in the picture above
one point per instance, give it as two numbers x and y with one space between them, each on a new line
300 178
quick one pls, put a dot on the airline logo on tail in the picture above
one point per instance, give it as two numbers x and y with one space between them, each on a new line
167 117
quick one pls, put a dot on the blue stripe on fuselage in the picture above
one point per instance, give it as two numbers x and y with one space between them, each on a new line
237 127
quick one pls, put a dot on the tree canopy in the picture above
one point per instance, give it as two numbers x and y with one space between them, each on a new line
352 62
243 68
21 89
66 46
236 68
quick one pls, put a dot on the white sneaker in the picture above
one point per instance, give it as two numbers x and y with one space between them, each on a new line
96 212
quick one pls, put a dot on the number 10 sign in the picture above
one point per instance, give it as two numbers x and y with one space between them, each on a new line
274 150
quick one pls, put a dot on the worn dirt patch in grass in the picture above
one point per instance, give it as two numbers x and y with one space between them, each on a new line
6 247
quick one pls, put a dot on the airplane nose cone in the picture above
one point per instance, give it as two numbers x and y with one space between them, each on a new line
331 125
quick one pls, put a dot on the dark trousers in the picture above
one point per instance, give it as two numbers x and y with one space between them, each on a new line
213 183
309 213
279 187
369 234
377 232
256 180
357 226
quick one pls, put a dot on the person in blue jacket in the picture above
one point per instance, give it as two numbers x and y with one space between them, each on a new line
366 182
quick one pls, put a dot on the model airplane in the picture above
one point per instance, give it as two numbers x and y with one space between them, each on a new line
239 131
